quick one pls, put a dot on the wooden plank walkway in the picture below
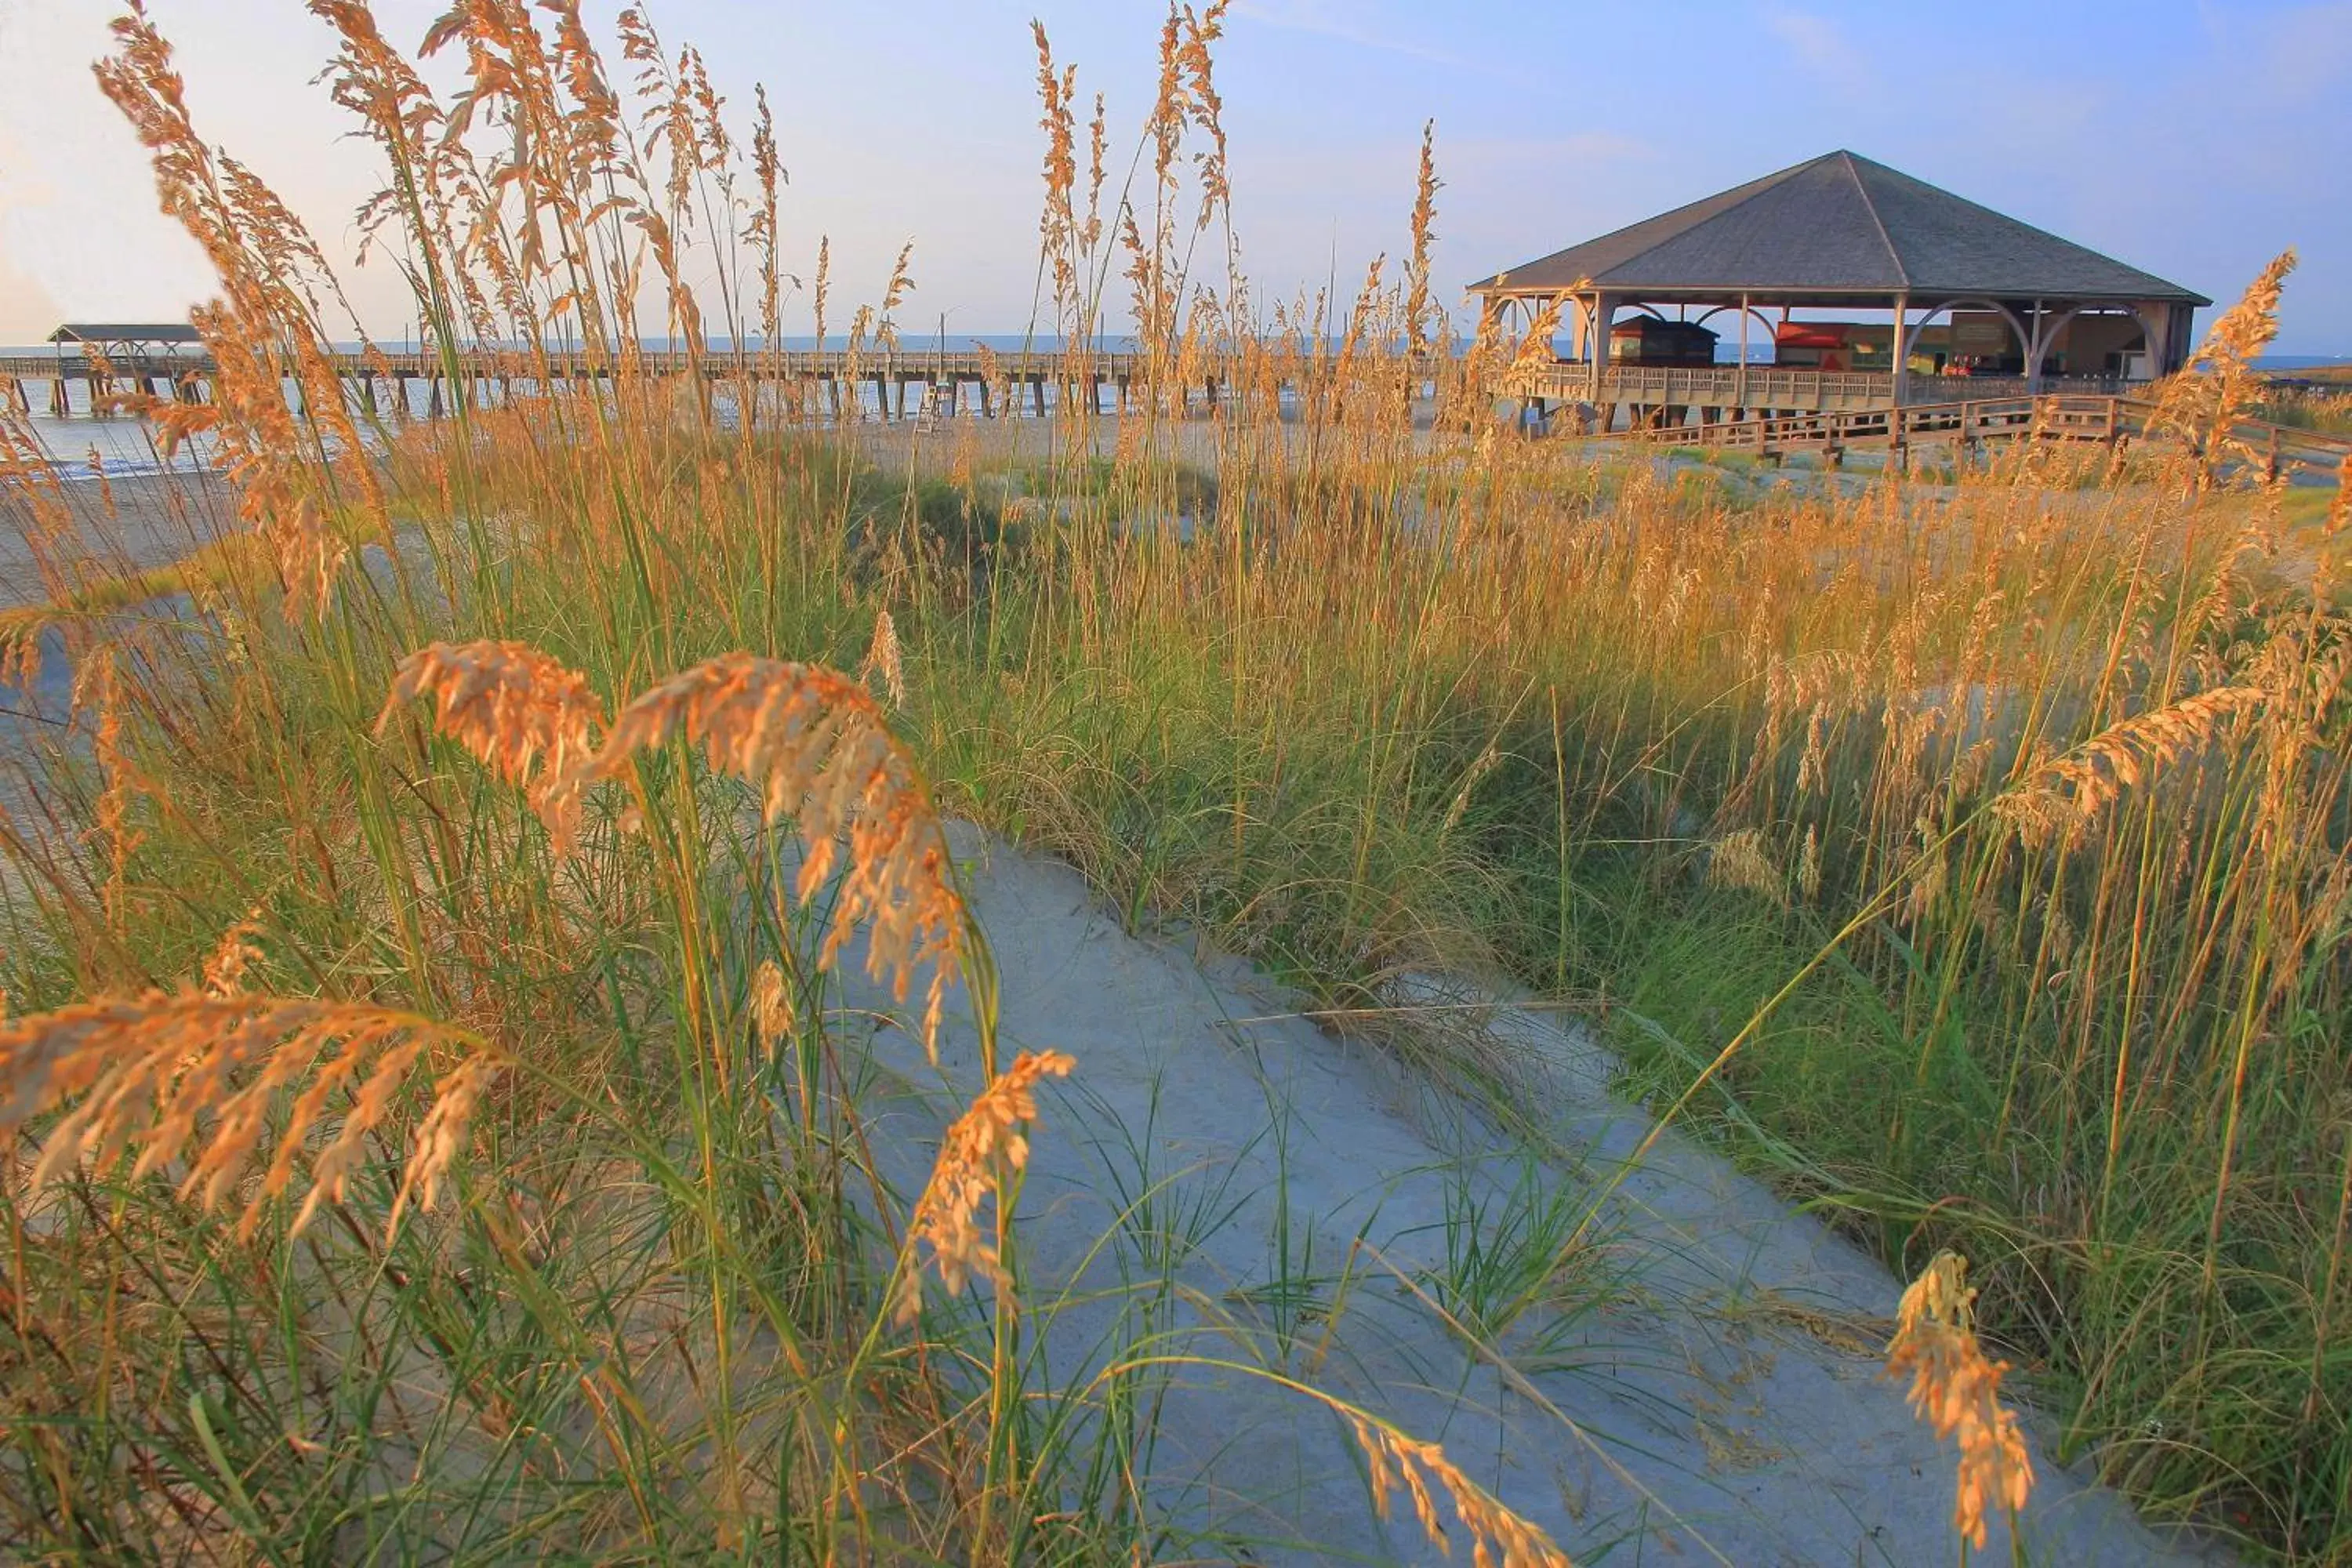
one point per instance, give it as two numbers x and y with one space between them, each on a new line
1762 387
1971 421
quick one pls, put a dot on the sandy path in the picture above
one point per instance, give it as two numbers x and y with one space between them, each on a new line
1712 1364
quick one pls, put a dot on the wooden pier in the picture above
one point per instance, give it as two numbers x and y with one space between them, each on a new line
833 382
838 383
1766 410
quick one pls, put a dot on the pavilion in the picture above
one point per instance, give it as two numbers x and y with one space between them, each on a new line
127 339
1954 289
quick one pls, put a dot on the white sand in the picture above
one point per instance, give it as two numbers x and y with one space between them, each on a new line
1713 1376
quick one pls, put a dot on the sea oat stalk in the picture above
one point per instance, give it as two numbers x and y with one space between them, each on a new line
984 1149
1957 1392
150 1071
818 748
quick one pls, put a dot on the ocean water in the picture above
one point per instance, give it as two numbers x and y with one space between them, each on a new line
83 446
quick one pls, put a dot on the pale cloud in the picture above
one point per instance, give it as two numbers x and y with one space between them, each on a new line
1577 147
1331 19
2306 52
1823 48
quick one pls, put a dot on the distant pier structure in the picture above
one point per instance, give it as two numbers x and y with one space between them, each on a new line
157 357
1962 302
170 360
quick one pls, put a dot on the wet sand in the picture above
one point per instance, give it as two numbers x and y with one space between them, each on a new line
126 524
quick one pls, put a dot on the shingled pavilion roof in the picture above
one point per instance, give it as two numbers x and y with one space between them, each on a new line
1837 230
126 332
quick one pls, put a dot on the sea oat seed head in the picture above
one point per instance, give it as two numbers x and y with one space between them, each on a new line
884 659
818 748
772 1003
1956 1392
985 1138
1498 1537
530 719
225 970
148 1072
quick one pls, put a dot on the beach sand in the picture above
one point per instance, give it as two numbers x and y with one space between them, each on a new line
126 524
1702 1384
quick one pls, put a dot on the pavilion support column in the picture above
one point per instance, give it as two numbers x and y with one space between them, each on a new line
2165 327
1604 313
1900 362
2155 320
1739 377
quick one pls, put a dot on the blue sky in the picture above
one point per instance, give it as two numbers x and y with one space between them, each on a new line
2194 140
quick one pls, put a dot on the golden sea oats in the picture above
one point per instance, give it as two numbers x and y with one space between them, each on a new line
823 284
2133 750
20 648
98 684
1484 764
996 383
818 748
1534 349
772 1003
1498 1537
883 658
225 970
1956 1392
959 460
150 1070
1738 860
1057 224
901 284
265 332
530 719
1424 215
2203 403
760 229
981 1144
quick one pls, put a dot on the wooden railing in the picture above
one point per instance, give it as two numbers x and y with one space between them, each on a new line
569 363
1776 386
2060 416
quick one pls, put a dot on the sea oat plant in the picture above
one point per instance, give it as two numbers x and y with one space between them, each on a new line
982 1149
818 748
152 1073
1956 1390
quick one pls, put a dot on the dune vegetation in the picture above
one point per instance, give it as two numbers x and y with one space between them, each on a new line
433 1134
